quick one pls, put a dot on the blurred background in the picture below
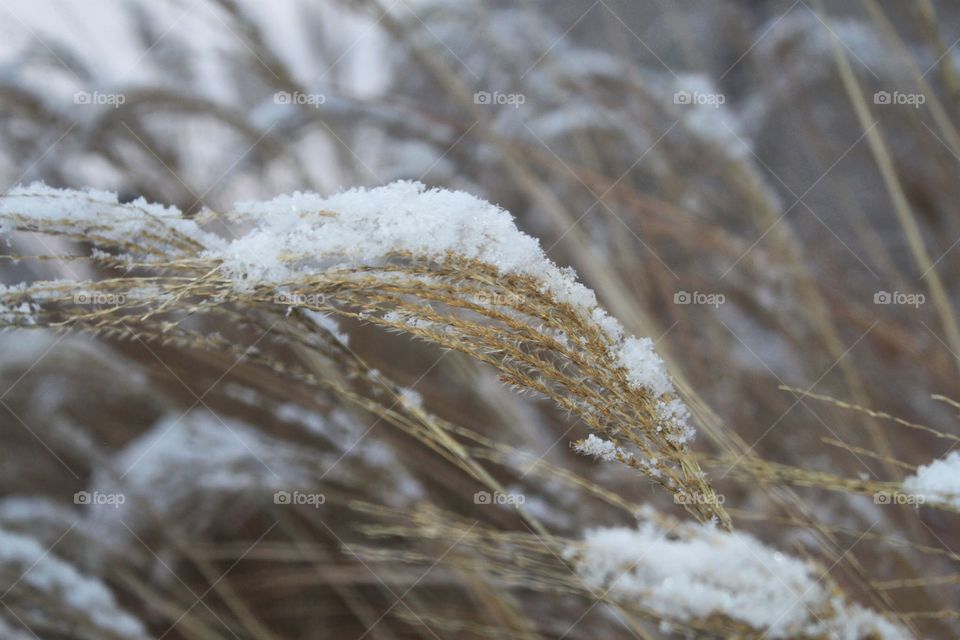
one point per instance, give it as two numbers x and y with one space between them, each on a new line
768 189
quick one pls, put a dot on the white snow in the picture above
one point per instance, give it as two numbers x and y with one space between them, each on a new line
95 211
410 398
187 467
938 481
294 413
21 312
676 412
40 515
330 325
44 572
598 448
644 367
699 571
709 117
218 453
607 451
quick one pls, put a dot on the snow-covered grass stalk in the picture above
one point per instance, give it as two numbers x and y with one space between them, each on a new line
443 266
455 271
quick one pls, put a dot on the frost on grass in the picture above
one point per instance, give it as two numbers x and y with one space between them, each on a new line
35 574
295 233
99 214
598 448
691 572
607 451
937 482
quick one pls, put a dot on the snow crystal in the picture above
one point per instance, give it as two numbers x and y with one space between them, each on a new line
644 367
676 413
17 312
48 574
609 452
410 398
702 571
938 481
598 448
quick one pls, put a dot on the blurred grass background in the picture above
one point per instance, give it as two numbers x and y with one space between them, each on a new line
736 149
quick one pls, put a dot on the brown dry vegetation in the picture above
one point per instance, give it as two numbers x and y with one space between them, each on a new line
809 399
